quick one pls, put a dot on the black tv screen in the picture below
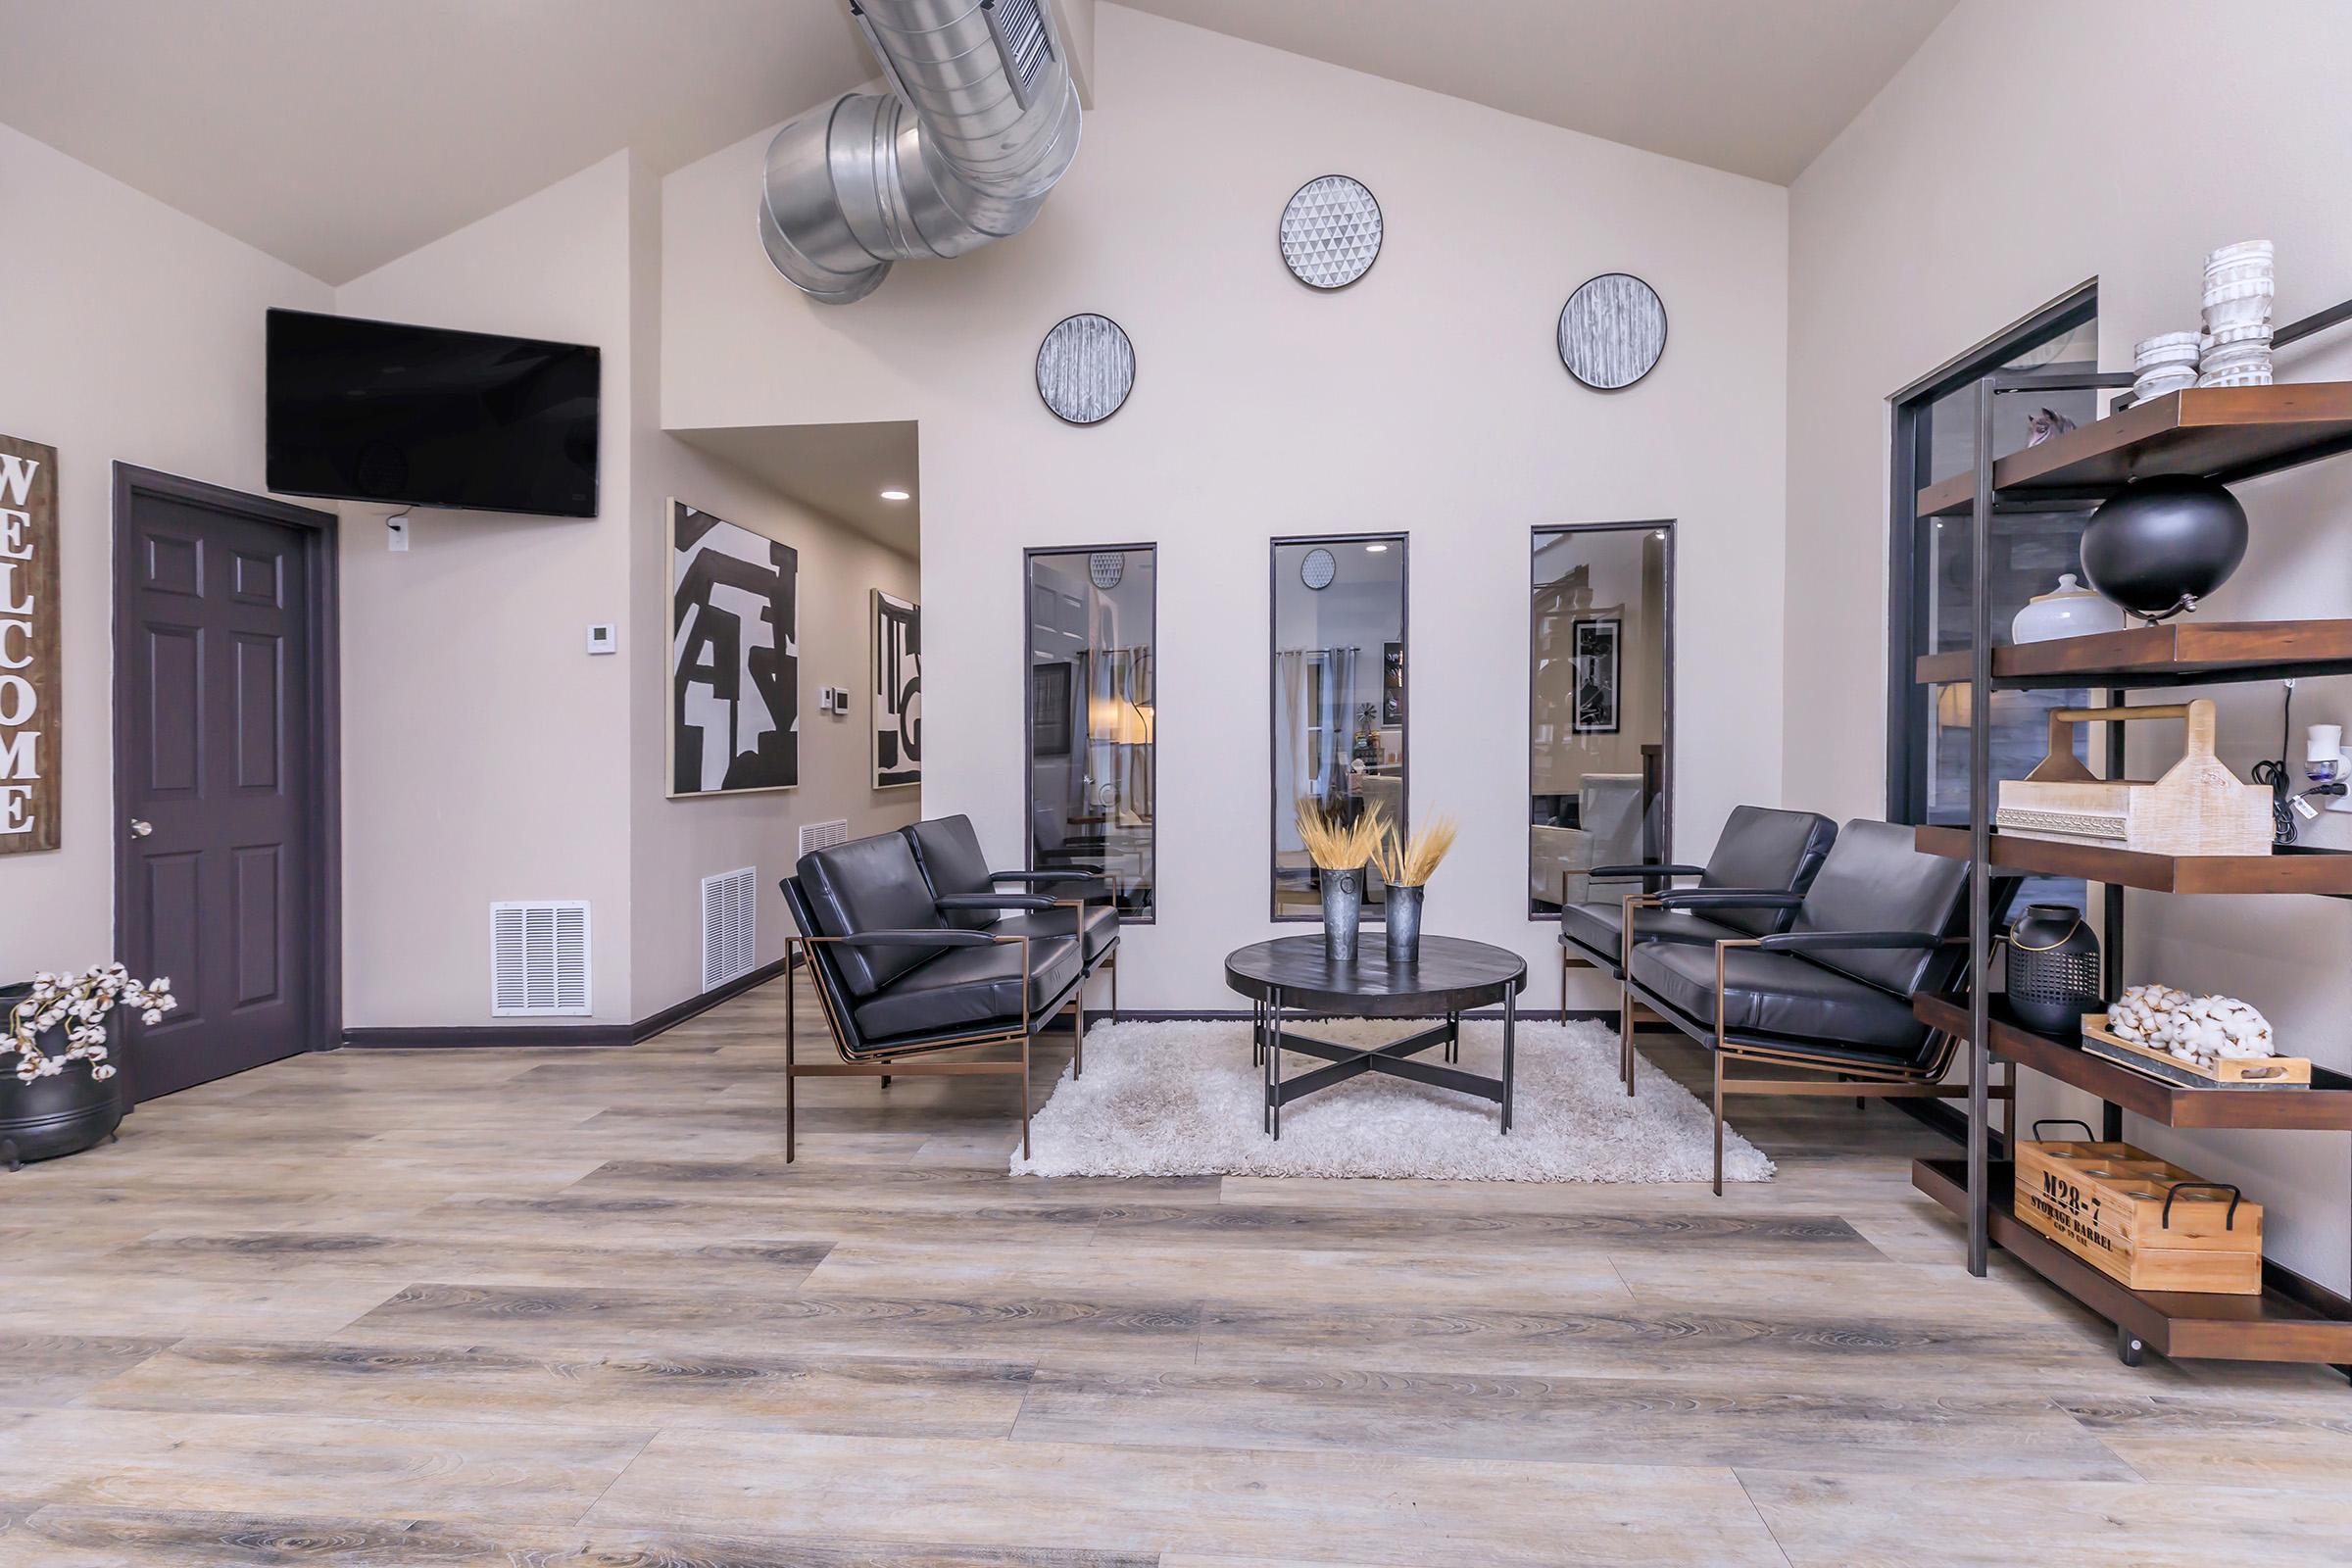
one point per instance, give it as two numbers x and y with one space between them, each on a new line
374 411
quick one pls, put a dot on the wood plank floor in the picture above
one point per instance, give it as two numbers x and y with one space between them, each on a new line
571 1307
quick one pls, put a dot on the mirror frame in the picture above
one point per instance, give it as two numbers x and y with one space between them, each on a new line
1664 848
1029 557
1403 542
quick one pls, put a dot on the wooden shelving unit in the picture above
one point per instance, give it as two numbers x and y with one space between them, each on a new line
2291 870
2179 652
2324 1106
2289 1321
2227 435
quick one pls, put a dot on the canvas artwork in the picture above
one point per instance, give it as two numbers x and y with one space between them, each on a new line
1392 684
1593 644
735 657
897 673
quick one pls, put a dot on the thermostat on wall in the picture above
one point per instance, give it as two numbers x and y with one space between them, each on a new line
603 638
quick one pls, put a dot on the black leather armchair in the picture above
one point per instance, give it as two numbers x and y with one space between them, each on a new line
1831 994
900 974
1761 850
1063 903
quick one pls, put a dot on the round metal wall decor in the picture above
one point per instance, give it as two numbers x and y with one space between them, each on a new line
1085 368
1612 331
1104 569
1318 568
1331 232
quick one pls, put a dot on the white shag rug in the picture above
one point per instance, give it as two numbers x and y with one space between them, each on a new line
1183 1099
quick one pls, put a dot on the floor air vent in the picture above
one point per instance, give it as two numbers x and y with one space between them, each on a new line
824 835
731 925
539 960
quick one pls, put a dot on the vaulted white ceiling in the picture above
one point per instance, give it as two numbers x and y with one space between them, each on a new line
1755 86
339 134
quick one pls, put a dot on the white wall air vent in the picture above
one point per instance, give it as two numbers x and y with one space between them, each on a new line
824 835
731 925
539 960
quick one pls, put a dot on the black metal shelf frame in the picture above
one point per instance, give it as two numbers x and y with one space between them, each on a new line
1989 388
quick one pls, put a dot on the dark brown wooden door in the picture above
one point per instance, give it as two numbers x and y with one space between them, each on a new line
219 783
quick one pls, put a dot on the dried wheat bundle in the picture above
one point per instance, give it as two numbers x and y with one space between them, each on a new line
1411 862
1335 848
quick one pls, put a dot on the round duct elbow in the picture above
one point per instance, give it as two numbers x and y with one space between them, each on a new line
984 119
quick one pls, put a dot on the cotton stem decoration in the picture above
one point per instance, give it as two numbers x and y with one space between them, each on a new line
81 1003
1410 861
1340 849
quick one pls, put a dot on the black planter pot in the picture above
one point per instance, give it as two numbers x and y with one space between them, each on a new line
2161 544
51 1117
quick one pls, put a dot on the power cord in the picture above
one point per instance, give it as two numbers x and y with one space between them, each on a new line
2278 777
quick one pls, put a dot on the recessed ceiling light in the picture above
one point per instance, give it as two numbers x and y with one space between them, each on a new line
894 495
1661 534
1375 549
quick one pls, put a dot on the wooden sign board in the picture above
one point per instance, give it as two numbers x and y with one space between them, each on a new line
31 622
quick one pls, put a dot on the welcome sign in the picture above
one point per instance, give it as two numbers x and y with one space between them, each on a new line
30 625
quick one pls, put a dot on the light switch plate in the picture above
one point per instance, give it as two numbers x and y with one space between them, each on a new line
604 637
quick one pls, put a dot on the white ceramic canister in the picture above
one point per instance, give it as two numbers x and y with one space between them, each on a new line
2068 610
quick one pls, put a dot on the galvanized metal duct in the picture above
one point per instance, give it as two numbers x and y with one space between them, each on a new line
984 121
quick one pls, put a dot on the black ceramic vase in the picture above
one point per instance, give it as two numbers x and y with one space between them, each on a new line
2160 545
2053 969
53 1116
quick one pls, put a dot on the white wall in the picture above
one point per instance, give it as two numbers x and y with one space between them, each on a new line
2008 161
132 334
487 755
1426 397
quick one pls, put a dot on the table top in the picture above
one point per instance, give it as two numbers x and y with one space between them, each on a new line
1452 974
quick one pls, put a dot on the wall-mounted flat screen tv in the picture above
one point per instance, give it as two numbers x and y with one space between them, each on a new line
374 411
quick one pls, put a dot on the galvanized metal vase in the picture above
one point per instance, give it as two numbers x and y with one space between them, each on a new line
1402 907
1343 912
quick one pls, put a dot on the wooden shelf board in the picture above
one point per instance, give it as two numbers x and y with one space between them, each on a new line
2179 652
2326 1106
2293 870
2227 433
2281 1324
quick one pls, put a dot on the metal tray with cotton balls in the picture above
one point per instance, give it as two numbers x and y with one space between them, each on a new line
2161 544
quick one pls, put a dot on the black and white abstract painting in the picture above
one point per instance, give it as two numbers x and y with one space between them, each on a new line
734 657
898 692
1595 643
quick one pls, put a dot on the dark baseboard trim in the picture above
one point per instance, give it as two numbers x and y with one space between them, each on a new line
537 1035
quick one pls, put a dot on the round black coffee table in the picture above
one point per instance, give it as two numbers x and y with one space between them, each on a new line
1452 976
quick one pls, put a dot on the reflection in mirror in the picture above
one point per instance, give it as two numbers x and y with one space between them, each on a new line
1093 707
1340 701
1600 688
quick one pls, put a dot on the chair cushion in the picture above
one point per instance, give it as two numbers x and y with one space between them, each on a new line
949 852
1782 994
963 987
1599 928
1101 925
869 885
1762 848
1876 880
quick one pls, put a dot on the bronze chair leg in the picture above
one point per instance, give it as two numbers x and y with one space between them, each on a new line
1718 1055
789 1033
1113 967
1078 1050
1025 1039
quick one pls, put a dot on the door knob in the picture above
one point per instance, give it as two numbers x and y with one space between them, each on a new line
139 829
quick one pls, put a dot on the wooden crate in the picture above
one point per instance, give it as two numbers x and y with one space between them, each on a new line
2105 1204
2229 1073
2198 807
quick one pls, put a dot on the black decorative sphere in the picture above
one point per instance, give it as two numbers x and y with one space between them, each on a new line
2160 545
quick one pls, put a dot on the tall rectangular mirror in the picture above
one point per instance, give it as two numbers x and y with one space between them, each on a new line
1601 693
1340 701
1093 717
